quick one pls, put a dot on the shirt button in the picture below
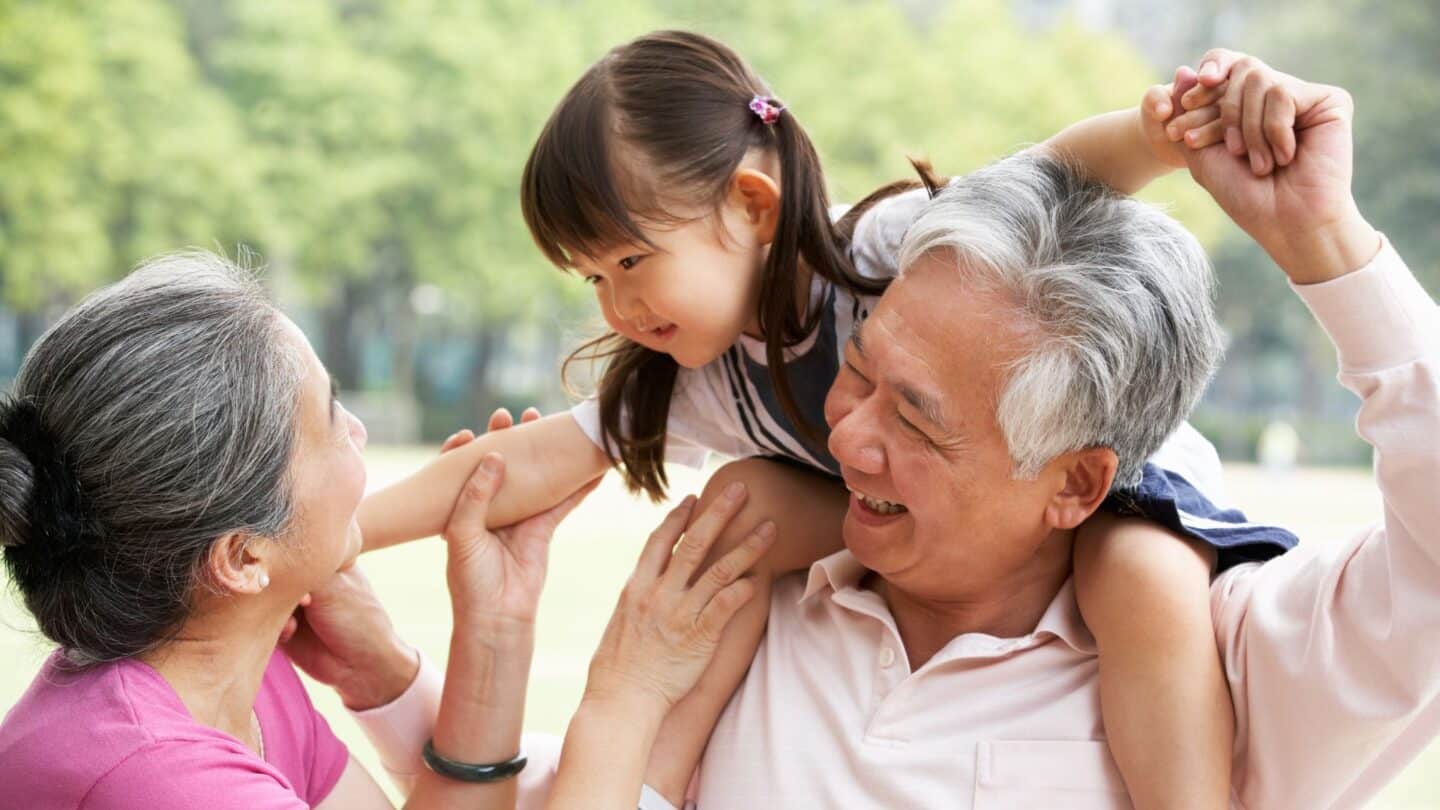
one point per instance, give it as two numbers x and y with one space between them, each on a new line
887 657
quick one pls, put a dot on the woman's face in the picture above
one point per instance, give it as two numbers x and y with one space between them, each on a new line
328 477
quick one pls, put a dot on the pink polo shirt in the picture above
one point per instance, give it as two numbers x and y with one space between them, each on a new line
117 737
1330 650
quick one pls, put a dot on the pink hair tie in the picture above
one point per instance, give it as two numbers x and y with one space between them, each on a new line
768 109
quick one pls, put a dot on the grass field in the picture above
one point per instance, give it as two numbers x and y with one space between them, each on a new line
595 549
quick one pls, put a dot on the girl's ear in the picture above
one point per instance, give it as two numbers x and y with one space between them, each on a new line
757 195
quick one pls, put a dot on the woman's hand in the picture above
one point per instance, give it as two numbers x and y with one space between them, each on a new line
665 629
496 577
342 636
511 573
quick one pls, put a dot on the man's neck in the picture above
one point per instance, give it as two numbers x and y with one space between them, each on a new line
1007 609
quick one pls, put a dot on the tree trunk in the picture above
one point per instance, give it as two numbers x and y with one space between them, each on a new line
341 354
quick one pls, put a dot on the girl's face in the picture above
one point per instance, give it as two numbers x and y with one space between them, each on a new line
694 292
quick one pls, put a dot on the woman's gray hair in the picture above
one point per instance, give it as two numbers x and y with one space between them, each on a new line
171 401
1120 292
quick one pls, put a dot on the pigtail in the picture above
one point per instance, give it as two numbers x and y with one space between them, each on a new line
692 109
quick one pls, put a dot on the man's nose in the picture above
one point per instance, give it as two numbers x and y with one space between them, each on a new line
854 441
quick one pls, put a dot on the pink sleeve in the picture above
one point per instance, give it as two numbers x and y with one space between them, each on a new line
176 774
1330 648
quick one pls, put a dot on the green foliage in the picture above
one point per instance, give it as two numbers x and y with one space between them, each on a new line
367 148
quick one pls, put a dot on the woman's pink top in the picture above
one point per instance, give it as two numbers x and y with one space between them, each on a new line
117 737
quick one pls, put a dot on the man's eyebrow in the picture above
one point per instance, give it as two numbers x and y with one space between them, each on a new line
856 341
928 406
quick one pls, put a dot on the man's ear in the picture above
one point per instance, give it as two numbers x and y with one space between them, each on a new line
757 195
239 563
1086 476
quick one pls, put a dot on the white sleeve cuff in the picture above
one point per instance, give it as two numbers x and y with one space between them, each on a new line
1378 316
650 800
400 728
677 450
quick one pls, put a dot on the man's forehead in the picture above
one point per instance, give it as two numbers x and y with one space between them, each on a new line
943 334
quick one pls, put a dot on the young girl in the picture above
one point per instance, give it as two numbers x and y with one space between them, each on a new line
671 179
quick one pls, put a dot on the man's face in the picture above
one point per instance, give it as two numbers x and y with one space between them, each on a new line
913 422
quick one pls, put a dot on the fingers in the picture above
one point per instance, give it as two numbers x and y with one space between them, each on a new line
1206 135
459 438
467 519
288 631
553 516
1157 102
1198 95
701 533
1216 65
500 419
723 608
1279 123
732 566
1191 120
1252 123
658 547
530 415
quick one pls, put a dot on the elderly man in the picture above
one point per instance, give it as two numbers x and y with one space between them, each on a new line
940 660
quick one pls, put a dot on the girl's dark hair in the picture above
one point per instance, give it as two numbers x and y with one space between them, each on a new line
155 417
679 101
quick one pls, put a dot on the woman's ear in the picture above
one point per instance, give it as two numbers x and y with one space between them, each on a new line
757 196
240 563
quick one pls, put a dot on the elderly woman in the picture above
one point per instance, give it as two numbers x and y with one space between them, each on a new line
176 476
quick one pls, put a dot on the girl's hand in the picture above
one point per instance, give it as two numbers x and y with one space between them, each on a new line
496 576
1166 120
665 629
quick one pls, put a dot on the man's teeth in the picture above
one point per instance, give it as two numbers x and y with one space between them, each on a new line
877 505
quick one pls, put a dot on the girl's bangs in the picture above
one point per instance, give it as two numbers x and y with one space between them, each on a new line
569 195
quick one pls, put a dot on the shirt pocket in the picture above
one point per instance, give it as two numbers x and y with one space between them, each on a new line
1047 774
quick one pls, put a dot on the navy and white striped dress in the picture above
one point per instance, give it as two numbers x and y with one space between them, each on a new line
730 407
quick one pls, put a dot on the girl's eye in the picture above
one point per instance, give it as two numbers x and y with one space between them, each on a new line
591 279
629 262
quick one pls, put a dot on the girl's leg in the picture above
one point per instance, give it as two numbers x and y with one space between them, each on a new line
1145 595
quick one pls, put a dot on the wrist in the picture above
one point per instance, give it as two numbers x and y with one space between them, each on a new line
380 679
633 702
612 708
1328 251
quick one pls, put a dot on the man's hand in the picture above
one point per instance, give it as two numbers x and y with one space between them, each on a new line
1302 212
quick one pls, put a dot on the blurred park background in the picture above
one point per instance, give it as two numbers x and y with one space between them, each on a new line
368 152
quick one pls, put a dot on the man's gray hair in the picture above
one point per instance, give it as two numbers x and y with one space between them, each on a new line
1120 293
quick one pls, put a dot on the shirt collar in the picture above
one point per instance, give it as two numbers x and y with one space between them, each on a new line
842 572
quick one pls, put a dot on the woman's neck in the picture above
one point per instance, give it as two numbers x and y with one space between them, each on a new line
216 663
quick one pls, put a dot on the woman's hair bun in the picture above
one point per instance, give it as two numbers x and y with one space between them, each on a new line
17 484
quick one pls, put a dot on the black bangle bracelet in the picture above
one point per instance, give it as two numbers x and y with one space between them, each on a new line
467 772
